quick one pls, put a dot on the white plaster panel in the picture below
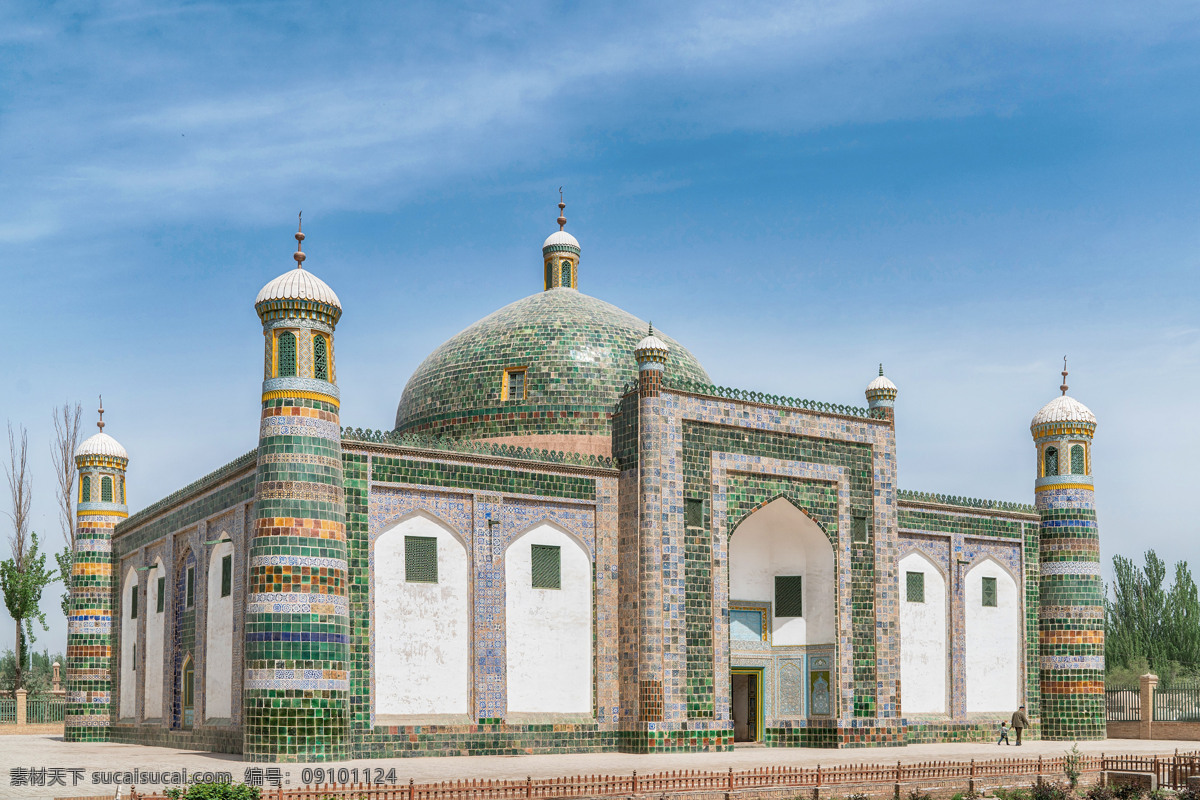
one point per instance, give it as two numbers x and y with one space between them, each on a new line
155 631
993 641
421 630
780 539
549 631
218 647
129 635
923 634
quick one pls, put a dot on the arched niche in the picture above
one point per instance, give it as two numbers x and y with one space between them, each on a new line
156 625
778 541
924 658
548 629
420 619
129 635
993 638
218 643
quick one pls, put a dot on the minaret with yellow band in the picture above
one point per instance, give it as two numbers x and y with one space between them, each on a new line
560 255
1071 592
296 704
101 462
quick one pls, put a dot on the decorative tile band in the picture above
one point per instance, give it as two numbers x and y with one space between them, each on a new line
1071 568
297 603
1073 662
299 684
300 426
291 386
297 561
1072 612
86 720
102 627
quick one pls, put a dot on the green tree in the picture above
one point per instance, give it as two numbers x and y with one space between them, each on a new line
1148 627
22 582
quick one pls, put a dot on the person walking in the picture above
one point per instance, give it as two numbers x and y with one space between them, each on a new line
1003 734
1019 722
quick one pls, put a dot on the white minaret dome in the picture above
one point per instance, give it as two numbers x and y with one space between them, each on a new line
1063 409
881 384
560 237
299 284
101 444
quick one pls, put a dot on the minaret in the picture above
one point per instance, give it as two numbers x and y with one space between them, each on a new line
651 354
881 397
101 462
560 254
297 689
1071 592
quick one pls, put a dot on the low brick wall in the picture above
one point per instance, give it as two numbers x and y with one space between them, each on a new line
1167 731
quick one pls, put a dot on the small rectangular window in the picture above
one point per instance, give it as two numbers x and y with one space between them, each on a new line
914 587
420 559
133 602
191 587
989 592
162 593
226 576
135 656
789 596
858 529
746 624
547 566
693 513
514 384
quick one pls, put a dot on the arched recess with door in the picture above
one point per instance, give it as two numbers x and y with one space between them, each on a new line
129 636
993 638
783 588
420 620
924 655
548 622
218 644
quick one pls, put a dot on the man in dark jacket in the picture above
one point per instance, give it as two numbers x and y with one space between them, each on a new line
1019 721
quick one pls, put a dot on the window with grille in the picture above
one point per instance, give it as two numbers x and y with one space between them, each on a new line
133 602
85 489
1051 460
135 656
549 271
121 490
162 593
858 529
287 355
566 273
320 358
693 513
190 595
547 566
989 592
420 559
914 587
1078 467
514 384
106 489
789 596
226 576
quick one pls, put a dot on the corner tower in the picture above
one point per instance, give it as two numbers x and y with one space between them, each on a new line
881 397
1071 592
101 462
297 689
560 255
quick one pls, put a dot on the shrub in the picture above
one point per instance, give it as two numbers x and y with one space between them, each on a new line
1011 794
1071 765
1128 791
1049 790
1187 794
865 796
1099 792
216 791
917 794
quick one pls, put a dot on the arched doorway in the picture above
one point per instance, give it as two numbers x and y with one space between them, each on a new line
188 692
783 615
923 634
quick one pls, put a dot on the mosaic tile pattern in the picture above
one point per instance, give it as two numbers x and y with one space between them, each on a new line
578 352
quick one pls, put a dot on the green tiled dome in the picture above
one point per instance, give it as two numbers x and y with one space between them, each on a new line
578 354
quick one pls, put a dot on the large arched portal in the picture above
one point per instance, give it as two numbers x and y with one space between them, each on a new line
783 611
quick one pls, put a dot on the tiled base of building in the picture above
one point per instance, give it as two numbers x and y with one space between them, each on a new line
480 740
704 741
213 739
941 731
835 734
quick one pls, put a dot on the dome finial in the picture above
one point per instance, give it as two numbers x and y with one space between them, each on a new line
299 254
100 423
881 368
651 327
562 221
1064 374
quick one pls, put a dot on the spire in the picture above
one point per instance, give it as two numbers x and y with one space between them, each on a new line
100 423
299 254
881 369
1064 374
562 221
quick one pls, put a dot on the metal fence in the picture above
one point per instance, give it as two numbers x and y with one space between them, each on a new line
1180 703
44 710
1123 703
8 711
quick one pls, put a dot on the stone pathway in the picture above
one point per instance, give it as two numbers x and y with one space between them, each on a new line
49 751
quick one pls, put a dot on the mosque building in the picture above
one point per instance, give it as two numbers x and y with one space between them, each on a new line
573 541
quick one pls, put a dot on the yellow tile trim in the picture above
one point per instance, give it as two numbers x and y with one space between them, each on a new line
1064 485
303 395
102 513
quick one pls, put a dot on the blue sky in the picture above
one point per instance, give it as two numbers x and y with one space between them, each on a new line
797 191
